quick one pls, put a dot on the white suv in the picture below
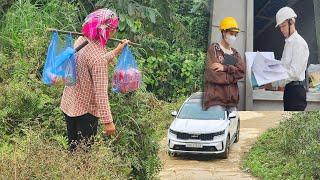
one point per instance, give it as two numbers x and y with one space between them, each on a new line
195 131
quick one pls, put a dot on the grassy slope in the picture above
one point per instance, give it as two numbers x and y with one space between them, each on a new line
290 151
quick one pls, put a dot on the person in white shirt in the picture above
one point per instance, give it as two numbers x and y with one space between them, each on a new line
294 59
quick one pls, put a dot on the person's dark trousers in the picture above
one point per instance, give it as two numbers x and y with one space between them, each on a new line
294 97
81 130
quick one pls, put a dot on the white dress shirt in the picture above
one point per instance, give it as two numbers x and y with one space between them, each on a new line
295 57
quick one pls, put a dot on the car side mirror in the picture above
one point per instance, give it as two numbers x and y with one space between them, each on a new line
232 115
174 113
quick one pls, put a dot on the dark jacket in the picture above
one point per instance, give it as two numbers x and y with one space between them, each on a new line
221 88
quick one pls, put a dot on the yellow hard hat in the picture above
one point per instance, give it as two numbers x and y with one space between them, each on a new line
229 23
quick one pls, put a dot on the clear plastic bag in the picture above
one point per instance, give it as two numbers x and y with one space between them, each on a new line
127 77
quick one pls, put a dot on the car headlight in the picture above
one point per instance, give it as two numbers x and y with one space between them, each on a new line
173 132
219 133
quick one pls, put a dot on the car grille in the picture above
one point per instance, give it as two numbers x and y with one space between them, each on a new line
203 137
204 148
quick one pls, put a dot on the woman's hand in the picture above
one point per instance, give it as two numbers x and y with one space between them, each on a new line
217 67
110 129
120 46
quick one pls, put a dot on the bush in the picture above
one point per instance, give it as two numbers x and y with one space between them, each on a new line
290 151
24 100
32 156
136 143
32 128
174 75
26 103
138 124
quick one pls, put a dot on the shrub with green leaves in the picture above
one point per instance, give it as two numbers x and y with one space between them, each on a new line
174 35
290 151
138 118
33 156
174 75
26 103
31 123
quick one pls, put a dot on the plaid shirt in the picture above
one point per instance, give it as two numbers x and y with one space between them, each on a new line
90 93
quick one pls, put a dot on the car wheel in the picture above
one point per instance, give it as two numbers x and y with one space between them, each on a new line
225 154
172 154
238 133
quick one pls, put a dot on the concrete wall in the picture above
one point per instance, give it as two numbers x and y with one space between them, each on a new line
263 102
239 10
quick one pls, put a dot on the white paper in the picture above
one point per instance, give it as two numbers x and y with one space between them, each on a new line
267 69
250 56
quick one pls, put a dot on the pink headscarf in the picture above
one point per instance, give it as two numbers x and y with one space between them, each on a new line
99 24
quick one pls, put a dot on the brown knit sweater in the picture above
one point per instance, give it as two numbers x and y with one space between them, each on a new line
221 88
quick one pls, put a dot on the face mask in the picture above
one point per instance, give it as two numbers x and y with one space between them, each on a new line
231 39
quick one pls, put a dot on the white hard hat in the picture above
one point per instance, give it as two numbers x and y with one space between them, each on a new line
284 14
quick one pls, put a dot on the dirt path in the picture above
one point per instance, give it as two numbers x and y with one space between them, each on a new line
204 167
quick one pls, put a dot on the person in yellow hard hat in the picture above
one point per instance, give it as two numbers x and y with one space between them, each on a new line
223 69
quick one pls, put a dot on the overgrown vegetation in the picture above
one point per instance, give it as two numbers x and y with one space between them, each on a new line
290 151
131 153
32 130
32 156
175 38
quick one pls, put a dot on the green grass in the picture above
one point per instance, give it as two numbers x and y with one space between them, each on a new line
35 157
38 153
290 151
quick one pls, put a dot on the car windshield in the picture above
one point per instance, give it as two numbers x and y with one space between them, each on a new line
192 110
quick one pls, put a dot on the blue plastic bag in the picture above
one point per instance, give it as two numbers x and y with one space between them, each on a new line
127 77
60 65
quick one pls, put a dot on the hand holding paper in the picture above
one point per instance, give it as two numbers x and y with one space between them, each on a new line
266 69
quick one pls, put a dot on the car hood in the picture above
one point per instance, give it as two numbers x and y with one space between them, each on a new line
198 126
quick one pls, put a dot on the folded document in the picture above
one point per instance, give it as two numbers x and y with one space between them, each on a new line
265 68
